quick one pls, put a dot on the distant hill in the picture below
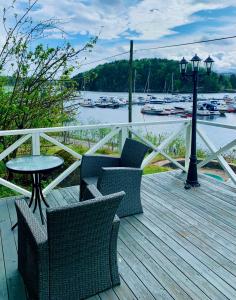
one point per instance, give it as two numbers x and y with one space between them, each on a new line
151 75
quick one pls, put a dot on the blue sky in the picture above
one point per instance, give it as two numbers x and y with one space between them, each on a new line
149 23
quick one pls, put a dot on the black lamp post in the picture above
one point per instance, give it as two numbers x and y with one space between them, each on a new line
192 177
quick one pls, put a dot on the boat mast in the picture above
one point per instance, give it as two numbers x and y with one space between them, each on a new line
164 90
146 89
172 83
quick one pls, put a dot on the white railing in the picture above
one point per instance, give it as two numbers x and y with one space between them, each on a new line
122 130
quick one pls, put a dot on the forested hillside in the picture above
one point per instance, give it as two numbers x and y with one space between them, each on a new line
151 75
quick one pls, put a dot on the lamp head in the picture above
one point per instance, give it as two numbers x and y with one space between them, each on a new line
208 63
195 62
183 66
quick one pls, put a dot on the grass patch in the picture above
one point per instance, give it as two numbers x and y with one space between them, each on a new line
6 192
151 169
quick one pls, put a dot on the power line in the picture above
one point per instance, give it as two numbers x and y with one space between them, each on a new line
189 43
105 58
162 47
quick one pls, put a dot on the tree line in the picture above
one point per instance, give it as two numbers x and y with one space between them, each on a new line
150 75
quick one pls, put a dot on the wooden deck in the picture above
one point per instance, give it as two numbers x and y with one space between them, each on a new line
182 247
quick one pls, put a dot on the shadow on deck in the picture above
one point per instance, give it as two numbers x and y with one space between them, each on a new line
182 247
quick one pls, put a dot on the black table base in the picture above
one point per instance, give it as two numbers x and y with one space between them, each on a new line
36 196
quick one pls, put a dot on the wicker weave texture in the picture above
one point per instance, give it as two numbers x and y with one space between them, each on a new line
77 258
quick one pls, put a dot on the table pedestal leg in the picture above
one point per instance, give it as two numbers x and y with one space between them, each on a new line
37 196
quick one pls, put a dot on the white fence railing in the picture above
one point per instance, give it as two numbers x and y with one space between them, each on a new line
122 130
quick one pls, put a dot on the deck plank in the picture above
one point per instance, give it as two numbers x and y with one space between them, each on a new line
208 225
208 237
163 270
182 247
183 230
204 226
15 285
160 242
3 280
191 200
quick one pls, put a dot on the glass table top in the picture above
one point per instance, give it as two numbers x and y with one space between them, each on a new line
34 163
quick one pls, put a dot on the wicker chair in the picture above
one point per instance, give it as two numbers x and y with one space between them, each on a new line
75 255
113 174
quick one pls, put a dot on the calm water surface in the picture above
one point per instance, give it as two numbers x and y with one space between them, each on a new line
218 136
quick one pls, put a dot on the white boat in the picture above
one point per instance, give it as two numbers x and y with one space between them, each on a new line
207 109
157 101
142 101
152 110
87 103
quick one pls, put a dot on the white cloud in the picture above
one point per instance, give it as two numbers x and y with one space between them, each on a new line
148 22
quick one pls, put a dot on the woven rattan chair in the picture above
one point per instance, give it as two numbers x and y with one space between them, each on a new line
113 174
75 255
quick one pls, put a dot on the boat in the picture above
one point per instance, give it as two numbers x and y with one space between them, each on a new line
231 108
151 110
87 103
141 100
122 102
154 100
222 108
105 102
228 100
207 109
157 101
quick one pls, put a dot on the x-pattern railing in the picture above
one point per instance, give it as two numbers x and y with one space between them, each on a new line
122 130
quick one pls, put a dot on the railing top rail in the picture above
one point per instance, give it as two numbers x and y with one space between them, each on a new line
107 125
215 124
87 127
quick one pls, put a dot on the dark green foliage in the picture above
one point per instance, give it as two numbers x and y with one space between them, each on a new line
113 77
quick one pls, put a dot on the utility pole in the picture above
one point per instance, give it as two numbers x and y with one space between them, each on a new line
130 80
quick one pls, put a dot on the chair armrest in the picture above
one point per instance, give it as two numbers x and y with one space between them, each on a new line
33 261
113 251
91 192
112 178
91 164
28 219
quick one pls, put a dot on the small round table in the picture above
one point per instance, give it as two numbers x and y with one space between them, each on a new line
35 165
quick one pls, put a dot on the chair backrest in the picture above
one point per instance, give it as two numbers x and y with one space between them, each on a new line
133 153
79 240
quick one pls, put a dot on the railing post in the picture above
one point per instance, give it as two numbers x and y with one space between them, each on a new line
36 143
122 137
187 144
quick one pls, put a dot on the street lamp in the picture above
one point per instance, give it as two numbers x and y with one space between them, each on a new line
192 178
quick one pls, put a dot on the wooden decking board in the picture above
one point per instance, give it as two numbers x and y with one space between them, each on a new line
219 193
15 285
182 216
212 182
151 256
182 247
200 199
192 202
3 282
191 230
146 272
222 279
195 221
215 198
182 230
123 291
197 217
187 256
177 259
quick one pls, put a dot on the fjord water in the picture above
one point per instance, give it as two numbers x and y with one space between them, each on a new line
219 136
